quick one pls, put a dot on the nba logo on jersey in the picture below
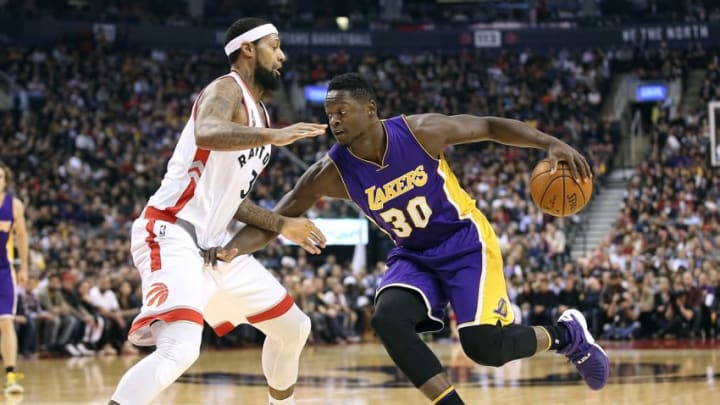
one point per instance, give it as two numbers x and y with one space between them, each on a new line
162 231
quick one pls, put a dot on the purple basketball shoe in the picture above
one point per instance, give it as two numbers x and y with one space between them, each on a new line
588 357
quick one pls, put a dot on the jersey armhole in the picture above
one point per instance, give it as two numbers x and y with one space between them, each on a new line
342 179
196 104
407 124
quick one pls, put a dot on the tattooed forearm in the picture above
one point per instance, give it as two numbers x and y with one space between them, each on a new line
227 135
252 214
214 126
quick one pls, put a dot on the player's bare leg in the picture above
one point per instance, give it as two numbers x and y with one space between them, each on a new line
8 349
543 339
440 390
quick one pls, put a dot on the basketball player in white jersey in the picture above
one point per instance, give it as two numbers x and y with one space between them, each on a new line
219 156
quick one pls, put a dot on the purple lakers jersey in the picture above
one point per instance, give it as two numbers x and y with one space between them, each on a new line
412 196
6 223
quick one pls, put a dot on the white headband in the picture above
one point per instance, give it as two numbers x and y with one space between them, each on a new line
249 36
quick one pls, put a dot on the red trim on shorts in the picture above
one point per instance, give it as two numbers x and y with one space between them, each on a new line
278 310
173 315
224 328
155 262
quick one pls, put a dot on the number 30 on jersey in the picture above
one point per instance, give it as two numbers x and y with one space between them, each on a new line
417 211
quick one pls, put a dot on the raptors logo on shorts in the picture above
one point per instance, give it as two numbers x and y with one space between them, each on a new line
157 294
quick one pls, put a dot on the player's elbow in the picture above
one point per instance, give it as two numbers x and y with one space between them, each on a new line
203 136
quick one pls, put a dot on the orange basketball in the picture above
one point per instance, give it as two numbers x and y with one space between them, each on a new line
558 194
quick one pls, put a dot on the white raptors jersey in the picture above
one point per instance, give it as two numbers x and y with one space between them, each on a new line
206 187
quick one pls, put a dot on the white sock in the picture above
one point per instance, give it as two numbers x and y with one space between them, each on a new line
178 346
287 401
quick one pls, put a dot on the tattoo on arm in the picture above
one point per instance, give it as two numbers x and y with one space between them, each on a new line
257 216
214 128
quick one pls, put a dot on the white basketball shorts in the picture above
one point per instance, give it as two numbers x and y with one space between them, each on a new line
176 286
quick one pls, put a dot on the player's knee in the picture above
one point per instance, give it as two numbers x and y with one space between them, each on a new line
178 357
483 344
291 329
297 331
390 324
304 327
382 323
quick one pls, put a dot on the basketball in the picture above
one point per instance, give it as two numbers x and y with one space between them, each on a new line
558 194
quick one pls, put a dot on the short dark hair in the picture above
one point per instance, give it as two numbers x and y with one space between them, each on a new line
240 27
357 84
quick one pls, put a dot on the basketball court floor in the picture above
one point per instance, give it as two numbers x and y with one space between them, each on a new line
362 374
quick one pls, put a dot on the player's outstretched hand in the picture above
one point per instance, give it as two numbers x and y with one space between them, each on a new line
294 132
304 232
579 167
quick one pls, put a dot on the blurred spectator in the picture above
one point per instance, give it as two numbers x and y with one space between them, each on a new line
58 333
569 297
106 302
88 152
622 317
544 304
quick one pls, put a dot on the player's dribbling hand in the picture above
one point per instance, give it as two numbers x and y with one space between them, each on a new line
304 232
294 132
579 167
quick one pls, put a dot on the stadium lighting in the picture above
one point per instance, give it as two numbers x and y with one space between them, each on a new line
343 23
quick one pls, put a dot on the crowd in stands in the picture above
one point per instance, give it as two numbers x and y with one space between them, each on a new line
370 14
658 266
90 130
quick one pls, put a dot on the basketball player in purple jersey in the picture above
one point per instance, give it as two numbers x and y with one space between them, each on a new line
12 218
446 251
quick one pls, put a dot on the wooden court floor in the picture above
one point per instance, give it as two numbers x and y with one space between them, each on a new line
362 374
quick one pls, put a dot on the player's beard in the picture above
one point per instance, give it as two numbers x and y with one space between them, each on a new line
266 78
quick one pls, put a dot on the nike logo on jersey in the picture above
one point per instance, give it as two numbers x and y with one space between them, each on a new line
378 196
